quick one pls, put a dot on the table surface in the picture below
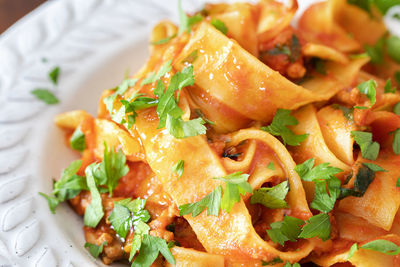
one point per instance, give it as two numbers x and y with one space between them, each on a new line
13 10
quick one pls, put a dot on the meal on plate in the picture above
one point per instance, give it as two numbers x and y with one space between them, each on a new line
247 140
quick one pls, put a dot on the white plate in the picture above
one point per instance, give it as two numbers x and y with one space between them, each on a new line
93 42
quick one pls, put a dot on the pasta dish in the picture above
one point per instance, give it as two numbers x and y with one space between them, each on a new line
247 140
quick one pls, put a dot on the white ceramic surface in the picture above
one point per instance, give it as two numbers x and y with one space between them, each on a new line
93 42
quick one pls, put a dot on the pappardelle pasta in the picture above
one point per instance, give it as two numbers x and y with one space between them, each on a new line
247 141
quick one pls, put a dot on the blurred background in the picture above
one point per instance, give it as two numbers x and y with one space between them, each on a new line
13 10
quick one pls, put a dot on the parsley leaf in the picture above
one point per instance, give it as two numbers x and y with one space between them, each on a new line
178 167
46 96
120 90
273 198
94 212
396 141
396 109
365 176
219 25
169 114
272 262
69 186
53 75
52 201
321 171
185 22
383 246
235 185
352 250
369 149
347 112
77 140
150 248
292 50
153 77
95 250
389 88
375 52
120 219
129 108
368 88
398 182
288 229
128 213
141 229
271 165
393 47
278 127
201 115
111 169
317 225
164 41
374 167
191 57
323 200
212 202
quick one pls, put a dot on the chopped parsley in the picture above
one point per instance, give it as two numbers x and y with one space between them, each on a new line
236 185
69 186
178 168
201 115
120 90
77 140
375 52
292 50
128 213
374 167
94 212
347 112
353 249
325 200
164 41
46 96
396 141
327 186
398 182
129 107
389 88
383 246
95 250
369 149
219 25
307 172
212 202
271 166
54 74
185 22
287 230
368 88
169 114
191 57
317 225
153 77
278 127
365 176
150 247
272 262
273 198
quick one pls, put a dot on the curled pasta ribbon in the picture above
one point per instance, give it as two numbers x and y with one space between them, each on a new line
229 234
244 164
274 17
